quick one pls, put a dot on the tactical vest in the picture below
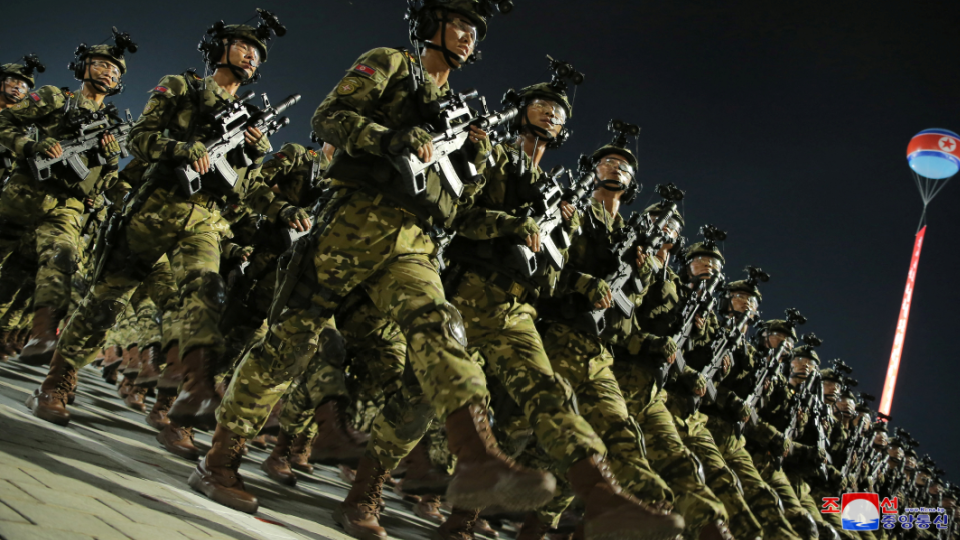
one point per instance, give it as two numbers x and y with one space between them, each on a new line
375 174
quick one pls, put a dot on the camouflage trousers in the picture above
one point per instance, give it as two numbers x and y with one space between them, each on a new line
720 478
188 233
14 312
802 489
120 333
45 232
18 270
384 251
501 329
148 330
774 476
666 452
760 497
243 320
586 364
817 493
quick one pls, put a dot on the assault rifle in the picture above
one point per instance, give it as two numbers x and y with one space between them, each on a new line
449 133
810 399
547 213
91 126
227 147
770 367
731 336
700 301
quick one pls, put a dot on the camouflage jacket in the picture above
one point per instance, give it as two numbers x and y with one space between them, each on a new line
368 107
52 111
489 227
180 110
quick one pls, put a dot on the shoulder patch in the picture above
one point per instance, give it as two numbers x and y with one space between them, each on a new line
151 105
22 105
312 153
67 93
365 70
348 86
35 96
161 89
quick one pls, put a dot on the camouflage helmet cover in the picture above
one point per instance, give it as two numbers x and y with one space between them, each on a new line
745 286
806 351
700 248
246 33
470 9
830 374
780 325
657 208
109 52
548 91
608 149
19 71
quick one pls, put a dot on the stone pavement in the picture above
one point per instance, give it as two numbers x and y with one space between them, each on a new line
105 477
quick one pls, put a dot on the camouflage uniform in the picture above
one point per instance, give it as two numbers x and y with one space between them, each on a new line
638 360
761 497
53 210
164 221
376 237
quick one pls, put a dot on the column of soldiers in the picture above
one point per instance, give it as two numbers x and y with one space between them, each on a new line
418 299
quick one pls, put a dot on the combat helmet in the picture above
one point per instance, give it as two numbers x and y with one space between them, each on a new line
114 53
750 286
555 91
23 71
618 145
219 36
422 16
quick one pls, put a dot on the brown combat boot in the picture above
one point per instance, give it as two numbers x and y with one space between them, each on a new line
484 476
359 513
112 357
174 371
157 417
7 347
260 441
49 402
459 526
428 508
716 530
484 528
131 367
178 441
196 406
277 464
533 528
43 337
421 477
218 474
150 362
337 442
134 398
612 514
300 453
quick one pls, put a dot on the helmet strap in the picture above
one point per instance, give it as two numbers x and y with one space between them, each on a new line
237 71
611 185
449 57
97 85
535 129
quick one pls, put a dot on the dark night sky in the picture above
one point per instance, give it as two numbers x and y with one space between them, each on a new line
786 123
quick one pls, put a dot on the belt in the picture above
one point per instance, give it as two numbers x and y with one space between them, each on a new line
505 283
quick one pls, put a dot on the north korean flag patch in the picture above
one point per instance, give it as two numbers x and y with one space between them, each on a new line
35 96
280 156
160 89
365 69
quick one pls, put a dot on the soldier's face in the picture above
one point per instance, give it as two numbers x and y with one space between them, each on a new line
845 407
774 339
743 302
615 167
895 452
15 88
547 115
103 71
704 266
242 54
800 369
880 440
830 391
460 35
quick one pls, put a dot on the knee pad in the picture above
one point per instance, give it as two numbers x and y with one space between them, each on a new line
64 258
292 356
443 316
332 347
210 287
104 314
827 532
409 418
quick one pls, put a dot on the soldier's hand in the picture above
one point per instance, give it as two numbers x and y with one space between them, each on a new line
109 145
524 228
604 302
695 382
596 290
567 210
47 146
195 154
641 257
241 252
533 242
414 139
727 362
699 322
256 141
477 135
297 218
665 347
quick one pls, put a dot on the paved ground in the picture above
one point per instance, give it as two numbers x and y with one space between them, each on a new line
105 477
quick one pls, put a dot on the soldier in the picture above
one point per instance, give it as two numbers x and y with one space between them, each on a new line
741 302
16 80
164 220
53 209
581 356
497 301
376 236
639 360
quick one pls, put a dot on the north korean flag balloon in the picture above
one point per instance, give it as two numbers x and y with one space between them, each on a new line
934 153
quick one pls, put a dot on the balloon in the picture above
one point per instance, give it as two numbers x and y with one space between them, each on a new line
934 153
